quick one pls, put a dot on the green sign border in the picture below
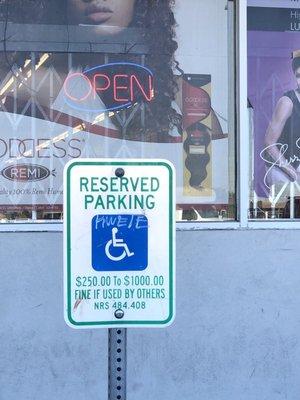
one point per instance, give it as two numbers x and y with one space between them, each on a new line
171 260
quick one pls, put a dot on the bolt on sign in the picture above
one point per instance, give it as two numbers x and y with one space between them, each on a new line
119 243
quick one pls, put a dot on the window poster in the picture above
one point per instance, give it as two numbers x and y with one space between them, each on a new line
114 78
274 95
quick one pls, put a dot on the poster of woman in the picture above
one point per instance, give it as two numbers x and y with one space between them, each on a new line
129 80
274 94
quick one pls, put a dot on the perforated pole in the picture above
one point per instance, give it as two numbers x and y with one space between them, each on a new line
117 351
117 364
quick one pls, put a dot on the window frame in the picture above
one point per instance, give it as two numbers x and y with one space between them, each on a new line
242 154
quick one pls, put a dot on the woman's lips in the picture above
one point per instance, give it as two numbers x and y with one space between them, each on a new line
99 17
98 14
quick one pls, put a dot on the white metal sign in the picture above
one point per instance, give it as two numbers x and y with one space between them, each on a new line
119 243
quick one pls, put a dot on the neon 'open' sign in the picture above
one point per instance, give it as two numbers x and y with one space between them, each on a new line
109 87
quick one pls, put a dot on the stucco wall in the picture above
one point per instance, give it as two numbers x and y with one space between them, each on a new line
235 335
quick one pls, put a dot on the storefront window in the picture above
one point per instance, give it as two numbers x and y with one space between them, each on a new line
274 108
126 79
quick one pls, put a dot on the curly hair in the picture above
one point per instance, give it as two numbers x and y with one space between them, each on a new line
155 19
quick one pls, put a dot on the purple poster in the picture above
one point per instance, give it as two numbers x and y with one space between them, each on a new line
273 93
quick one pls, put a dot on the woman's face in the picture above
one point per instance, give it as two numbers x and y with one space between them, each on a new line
110 16
297 76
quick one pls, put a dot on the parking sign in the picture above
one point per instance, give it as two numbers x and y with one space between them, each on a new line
119 243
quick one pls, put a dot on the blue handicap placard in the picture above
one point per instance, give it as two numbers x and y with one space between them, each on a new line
119 242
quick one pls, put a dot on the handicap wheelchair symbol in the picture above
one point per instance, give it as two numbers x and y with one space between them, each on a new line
119 242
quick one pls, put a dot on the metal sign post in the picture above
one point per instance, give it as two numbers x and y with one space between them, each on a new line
117 364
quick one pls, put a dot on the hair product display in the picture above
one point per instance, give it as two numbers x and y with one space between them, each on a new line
197 134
